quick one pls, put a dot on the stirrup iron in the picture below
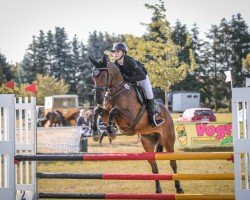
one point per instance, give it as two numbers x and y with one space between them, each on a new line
163 120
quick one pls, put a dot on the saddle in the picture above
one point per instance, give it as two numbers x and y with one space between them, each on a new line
141 97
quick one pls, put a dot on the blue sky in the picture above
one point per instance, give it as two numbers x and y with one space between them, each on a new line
21 19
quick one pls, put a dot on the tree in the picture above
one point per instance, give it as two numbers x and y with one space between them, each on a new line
240 40
75 72
228 43
62 55
5 72
34 60
188 42
246 62
159 52
84 86
50 51
47 86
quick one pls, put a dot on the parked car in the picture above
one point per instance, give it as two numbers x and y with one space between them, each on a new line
197 114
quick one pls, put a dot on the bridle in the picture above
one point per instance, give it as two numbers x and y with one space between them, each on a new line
103 89
95 73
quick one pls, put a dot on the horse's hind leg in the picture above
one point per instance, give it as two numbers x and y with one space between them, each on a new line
169 146
149 142
177 182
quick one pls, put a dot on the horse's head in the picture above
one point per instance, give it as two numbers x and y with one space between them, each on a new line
106 76
100 76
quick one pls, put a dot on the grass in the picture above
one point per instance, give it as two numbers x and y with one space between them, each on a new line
131 144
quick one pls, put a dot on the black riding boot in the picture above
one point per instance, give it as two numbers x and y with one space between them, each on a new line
151 113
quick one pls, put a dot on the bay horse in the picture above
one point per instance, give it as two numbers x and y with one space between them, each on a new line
117 100
54 118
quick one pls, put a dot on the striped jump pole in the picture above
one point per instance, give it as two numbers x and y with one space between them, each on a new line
136 196
128 156
137 176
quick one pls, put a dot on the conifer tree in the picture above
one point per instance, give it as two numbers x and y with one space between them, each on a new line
240 40
5 71
75 72
61 54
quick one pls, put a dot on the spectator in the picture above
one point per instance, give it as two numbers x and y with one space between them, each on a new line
82 119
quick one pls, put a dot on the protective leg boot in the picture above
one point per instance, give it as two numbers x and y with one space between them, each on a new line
111 132
151 113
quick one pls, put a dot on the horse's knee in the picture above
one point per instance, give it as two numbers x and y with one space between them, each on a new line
98 110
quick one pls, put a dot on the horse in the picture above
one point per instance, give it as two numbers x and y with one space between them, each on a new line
117 101
55 118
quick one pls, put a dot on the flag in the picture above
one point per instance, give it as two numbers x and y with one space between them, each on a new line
31 88
10 85
229 77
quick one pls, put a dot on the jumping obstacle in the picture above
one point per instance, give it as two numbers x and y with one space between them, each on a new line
148 176
128 156
136 196
8 147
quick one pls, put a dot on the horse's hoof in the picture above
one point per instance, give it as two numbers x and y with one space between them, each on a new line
158 191
96 136
96 139
179 191
112 135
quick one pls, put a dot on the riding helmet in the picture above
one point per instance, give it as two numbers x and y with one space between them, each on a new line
120 46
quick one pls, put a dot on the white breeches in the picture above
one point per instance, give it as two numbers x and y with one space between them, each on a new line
147 87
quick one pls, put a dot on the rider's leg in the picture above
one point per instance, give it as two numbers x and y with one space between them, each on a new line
150 101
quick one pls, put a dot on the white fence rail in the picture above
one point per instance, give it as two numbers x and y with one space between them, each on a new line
241 101
17 120
7 144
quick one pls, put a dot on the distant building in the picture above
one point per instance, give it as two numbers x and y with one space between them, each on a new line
178 101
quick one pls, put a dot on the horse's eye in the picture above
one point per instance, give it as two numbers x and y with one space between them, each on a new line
95 72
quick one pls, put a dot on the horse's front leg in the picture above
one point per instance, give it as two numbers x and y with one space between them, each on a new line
110 127
96 134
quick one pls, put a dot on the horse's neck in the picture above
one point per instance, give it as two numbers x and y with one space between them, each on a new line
116 74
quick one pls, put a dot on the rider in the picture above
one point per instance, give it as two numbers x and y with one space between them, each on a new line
133 72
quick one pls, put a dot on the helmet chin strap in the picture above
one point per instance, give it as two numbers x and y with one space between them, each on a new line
121 57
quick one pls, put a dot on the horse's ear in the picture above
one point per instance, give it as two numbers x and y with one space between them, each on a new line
93 61
104 59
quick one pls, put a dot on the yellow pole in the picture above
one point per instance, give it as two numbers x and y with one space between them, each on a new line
194 156
203 176
203 197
